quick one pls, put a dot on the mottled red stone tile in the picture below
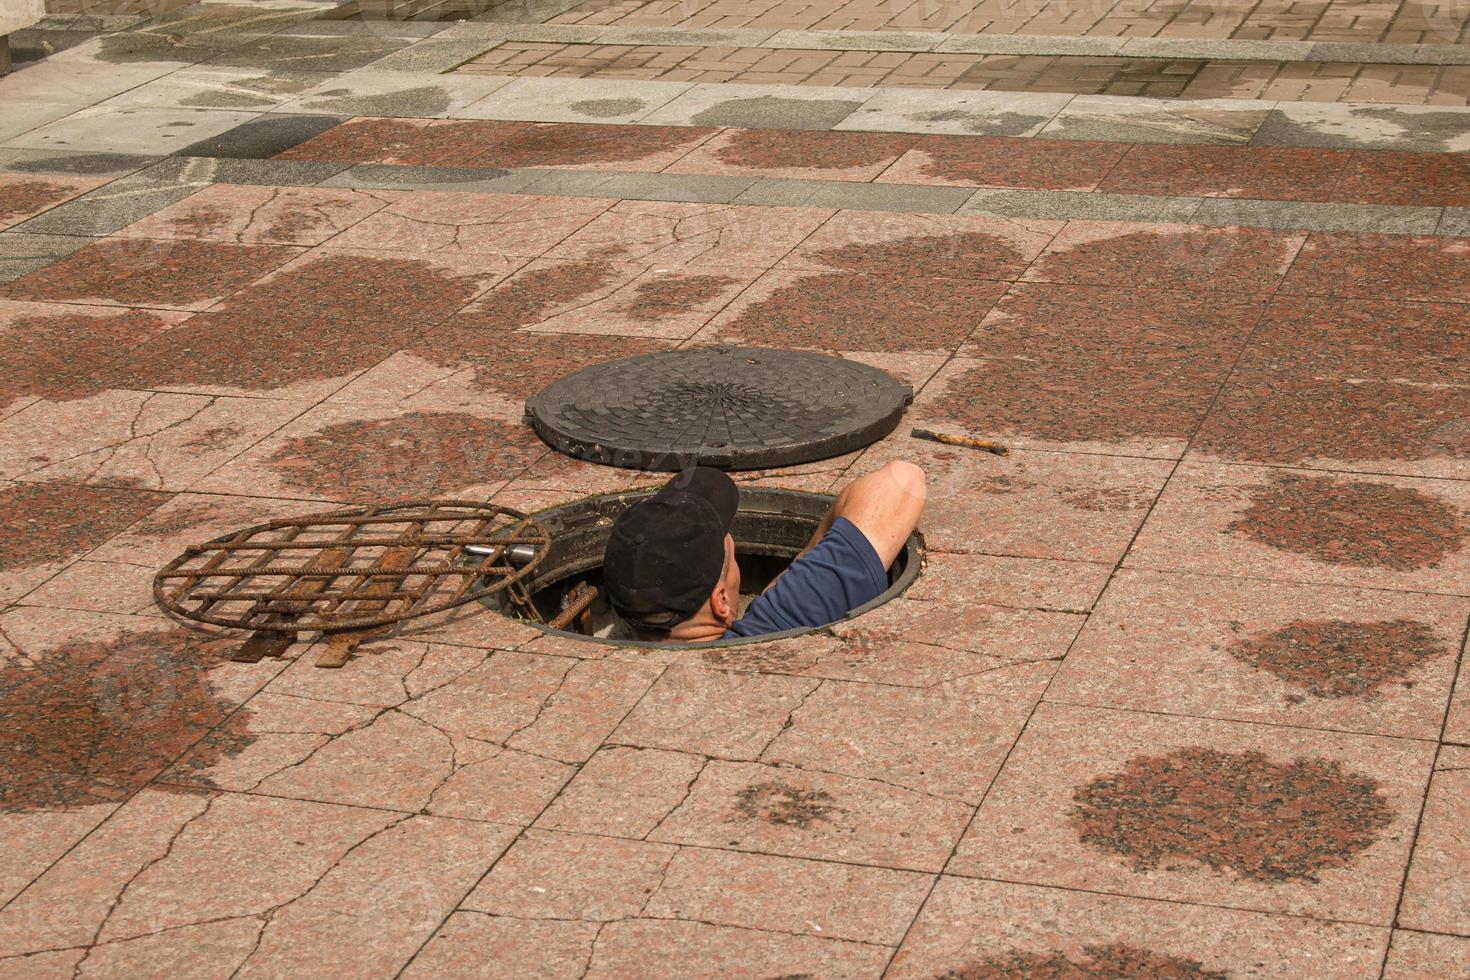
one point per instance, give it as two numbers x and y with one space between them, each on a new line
374 452
1414 955
1415 179
35 839
1028 504
364 140
1092 369
175 275
1295 525
587 146
711 712
447 222
664 948
794 154
474 944
1402 267
1249 260
623 792
50 524
209 948
573 876
142 439
854 312
887 243
1437 891
1272 173
251 214
1309 656
1022 583
780 810
24 196
1220 813
999 161
997 929
58 351
667 234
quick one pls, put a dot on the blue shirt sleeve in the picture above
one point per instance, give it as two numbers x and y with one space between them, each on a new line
841 573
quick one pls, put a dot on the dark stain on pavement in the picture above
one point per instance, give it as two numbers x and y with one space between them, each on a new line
1112 961
785 806
49 522
1333 658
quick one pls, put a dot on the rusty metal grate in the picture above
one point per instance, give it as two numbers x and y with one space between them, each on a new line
355 569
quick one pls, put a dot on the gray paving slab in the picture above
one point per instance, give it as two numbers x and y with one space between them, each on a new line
1081 205
704 37
1455 221
762 106
526 11
563 33
1308 216
854 40
354 28
378 176
33 44
75 80
671 187
888 197
108 208
263 136
1219 49
22 117
226 170
774 192
98 23
21 254
1440 129
1444 54
434 55
575 100
1370 53
140 129
141 47
957 113
221 87
1122 119
311 53
1031 44
564 183
206 19
68 162
371 92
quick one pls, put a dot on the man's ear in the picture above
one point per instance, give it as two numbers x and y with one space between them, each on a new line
720 603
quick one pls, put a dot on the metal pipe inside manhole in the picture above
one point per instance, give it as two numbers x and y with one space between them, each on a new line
770 529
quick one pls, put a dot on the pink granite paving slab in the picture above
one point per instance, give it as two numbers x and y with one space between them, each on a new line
1309 656
565 876
1297 525
748 806
1404 178
171 275
1366 385
450 222
1247 260
59 351
711 712
366 452
1028 504
998 161
623 792
1090 369
794 154
52 524
261 214
472 944
1402 267
851 311
1271 173
945 743
24 196
38 838
596 296
329 285
760 891
986 928
1437 891
1022 583
585 146
99 586
653 947
207 949
891 243
669 235
1457 722
1221 813
137 439
1413 955
366 139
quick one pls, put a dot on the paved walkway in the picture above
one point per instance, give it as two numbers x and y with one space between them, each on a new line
1176 694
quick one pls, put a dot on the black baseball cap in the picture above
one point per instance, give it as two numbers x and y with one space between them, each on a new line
666 552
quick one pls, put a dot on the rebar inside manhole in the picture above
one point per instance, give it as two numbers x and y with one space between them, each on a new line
736 408
771 528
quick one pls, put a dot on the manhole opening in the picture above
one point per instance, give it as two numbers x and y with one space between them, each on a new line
771 528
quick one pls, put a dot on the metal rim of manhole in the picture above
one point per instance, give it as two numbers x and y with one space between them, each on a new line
356 568
737 408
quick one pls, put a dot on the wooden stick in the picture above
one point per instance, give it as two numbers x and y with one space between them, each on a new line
985 445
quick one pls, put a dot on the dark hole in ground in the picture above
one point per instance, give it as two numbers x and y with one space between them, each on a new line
770 530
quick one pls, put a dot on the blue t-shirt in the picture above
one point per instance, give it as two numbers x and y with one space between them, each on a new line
841 573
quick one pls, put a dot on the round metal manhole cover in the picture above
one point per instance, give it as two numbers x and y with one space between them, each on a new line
739 408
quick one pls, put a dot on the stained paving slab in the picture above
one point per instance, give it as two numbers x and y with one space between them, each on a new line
1177 694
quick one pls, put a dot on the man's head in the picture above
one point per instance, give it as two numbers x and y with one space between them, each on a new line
670 558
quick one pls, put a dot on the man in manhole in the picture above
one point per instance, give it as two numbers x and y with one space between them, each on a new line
670 569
